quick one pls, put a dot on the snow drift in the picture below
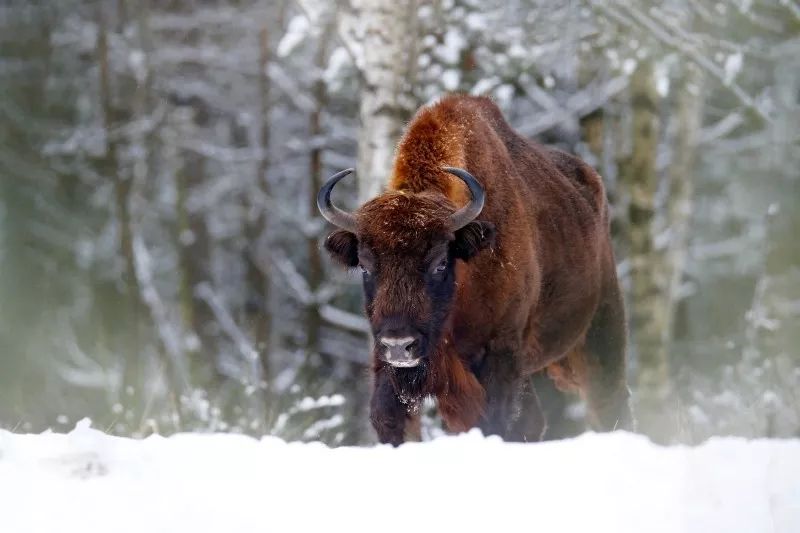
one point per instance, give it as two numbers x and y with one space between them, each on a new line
86 481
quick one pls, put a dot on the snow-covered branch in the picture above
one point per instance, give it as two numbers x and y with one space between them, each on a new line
344 319
169 336
629 16
226 321
579 104
720 128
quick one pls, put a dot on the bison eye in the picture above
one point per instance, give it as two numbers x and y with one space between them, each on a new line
441 267
364 270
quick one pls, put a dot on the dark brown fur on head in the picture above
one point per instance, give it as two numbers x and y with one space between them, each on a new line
397 221
400 237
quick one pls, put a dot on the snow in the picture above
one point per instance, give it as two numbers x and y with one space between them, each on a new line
338 64
476 21
297 31
449 51
661 75
87 481
733 65
450 78
485 85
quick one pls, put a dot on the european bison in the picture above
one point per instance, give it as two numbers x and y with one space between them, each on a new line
486 260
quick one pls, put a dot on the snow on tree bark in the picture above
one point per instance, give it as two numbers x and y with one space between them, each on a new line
681 189
638 175
386 95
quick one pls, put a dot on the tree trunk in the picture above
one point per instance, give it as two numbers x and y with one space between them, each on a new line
681 176
648 319
194 258
679 206
387 100
256 224
122 183
133 374
258 277
315 271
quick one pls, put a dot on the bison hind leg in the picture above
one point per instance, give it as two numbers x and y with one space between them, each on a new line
602 367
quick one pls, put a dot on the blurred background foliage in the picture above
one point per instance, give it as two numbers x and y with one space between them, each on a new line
160 263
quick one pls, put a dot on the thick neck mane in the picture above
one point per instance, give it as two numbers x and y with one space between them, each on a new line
435 138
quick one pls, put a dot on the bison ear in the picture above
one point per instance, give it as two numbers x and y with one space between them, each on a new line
343 247
472 238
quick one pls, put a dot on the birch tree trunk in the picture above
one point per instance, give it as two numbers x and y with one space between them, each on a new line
387 100
648 319
682 177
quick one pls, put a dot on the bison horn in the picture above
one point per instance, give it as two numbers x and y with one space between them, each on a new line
333 214
467 214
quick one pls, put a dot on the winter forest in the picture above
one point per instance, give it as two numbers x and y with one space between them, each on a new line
161 267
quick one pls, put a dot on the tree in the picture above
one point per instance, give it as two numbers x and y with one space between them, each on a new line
387 99
639 177
173 150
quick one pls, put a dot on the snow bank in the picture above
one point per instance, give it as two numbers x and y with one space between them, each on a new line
86 481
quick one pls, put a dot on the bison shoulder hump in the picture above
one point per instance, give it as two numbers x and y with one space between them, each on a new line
586 179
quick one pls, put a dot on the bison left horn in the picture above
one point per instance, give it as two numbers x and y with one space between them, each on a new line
469 212
333 214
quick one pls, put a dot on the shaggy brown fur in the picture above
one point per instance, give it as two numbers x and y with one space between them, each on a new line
530 284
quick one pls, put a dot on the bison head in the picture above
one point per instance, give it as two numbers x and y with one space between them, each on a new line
407 246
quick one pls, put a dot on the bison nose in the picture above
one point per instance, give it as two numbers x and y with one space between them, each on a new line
399 351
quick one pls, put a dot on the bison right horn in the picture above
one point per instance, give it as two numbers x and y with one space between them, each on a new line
469 212
333 214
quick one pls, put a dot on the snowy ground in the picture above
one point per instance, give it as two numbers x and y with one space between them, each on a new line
86 481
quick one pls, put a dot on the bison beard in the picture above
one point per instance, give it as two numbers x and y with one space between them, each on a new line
466 309
459 395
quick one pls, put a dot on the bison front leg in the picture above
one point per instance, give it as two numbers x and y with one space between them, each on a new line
507 395
513 412
389 416
531 423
